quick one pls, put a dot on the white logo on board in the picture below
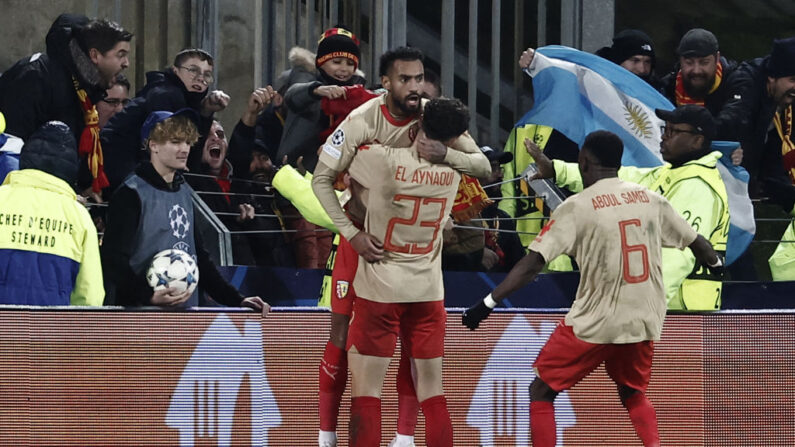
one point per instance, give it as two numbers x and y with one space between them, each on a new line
500 406
203 403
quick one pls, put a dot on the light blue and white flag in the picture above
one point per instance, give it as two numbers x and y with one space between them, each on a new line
577 93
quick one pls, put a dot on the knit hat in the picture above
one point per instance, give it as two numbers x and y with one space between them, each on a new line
697 42
781 62
52 149
337 42
628 43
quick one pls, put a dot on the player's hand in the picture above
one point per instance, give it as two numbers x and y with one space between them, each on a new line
368 246
432 150
475 314
216 101
256 303
330 91
526 58
544 165
737 156
246 212
169 297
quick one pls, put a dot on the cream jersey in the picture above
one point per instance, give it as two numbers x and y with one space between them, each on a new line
615 230
408 202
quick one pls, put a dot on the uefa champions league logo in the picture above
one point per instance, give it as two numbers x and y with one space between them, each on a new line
500 406
178 219
204 400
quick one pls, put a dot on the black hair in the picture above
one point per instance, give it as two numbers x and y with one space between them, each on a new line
606 147
445 118
188 53
400 53
102 35
432 78
123 81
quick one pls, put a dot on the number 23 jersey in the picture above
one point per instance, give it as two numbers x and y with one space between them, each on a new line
408 201
615 230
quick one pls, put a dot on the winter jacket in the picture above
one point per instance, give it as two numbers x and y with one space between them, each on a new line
121 137
49 253
714 101
39 88
748 116
305 120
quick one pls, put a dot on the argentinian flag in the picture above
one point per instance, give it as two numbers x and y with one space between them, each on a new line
577 93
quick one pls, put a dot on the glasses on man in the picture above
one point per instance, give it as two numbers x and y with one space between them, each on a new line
670 130
115 102
196 72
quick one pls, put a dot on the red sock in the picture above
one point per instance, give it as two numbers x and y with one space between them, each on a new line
542 424
438 426
644 419
331 383
365 427
408 405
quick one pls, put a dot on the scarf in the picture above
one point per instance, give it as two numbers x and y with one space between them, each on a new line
783 123
469 200
89 145
683 98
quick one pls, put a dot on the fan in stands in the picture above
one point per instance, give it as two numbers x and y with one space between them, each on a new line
173 268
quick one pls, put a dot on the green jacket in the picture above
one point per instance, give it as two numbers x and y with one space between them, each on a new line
697 191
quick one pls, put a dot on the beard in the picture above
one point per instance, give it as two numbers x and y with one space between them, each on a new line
405 108
698 91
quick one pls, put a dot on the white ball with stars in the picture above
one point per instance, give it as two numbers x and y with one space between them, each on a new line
173 268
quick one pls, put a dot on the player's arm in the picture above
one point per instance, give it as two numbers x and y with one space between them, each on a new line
323 187
706 255
520 275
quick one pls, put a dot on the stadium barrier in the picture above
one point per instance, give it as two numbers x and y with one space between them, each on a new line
107 377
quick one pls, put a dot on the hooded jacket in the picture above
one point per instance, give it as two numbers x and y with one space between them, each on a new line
305 119
49 253
39 88
121 137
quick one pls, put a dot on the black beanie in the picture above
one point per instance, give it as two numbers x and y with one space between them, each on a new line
781 63
52 149
631 42
337 42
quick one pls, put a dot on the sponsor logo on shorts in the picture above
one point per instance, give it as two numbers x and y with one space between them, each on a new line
332 151
342 289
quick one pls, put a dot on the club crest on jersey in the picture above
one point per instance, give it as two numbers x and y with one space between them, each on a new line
338 137
342 289
413 131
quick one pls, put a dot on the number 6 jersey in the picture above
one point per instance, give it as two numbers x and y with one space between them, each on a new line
615 230
408 202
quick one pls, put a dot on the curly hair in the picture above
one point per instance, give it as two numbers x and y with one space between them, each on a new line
445 118
179 128
401 53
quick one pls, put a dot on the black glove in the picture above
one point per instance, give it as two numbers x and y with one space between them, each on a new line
475 314
719 267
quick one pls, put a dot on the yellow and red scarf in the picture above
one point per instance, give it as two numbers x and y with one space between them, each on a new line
783 123
89 145
469 200
683 98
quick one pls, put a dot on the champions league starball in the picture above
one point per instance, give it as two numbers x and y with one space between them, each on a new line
173 268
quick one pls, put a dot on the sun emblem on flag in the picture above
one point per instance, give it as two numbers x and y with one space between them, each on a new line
638 120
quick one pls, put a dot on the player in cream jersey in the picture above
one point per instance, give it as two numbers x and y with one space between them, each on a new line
615 230
408 200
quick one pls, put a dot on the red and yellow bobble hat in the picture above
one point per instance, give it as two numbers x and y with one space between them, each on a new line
337 42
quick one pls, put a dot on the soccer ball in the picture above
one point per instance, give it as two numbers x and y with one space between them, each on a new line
173 268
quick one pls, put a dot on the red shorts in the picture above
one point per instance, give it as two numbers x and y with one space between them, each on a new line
565 360
375 327
342 274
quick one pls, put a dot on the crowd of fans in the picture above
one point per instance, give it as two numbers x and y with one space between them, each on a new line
79 82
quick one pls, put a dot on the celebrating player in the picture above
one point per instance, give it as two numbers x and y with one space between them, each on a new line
391 120
615 231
